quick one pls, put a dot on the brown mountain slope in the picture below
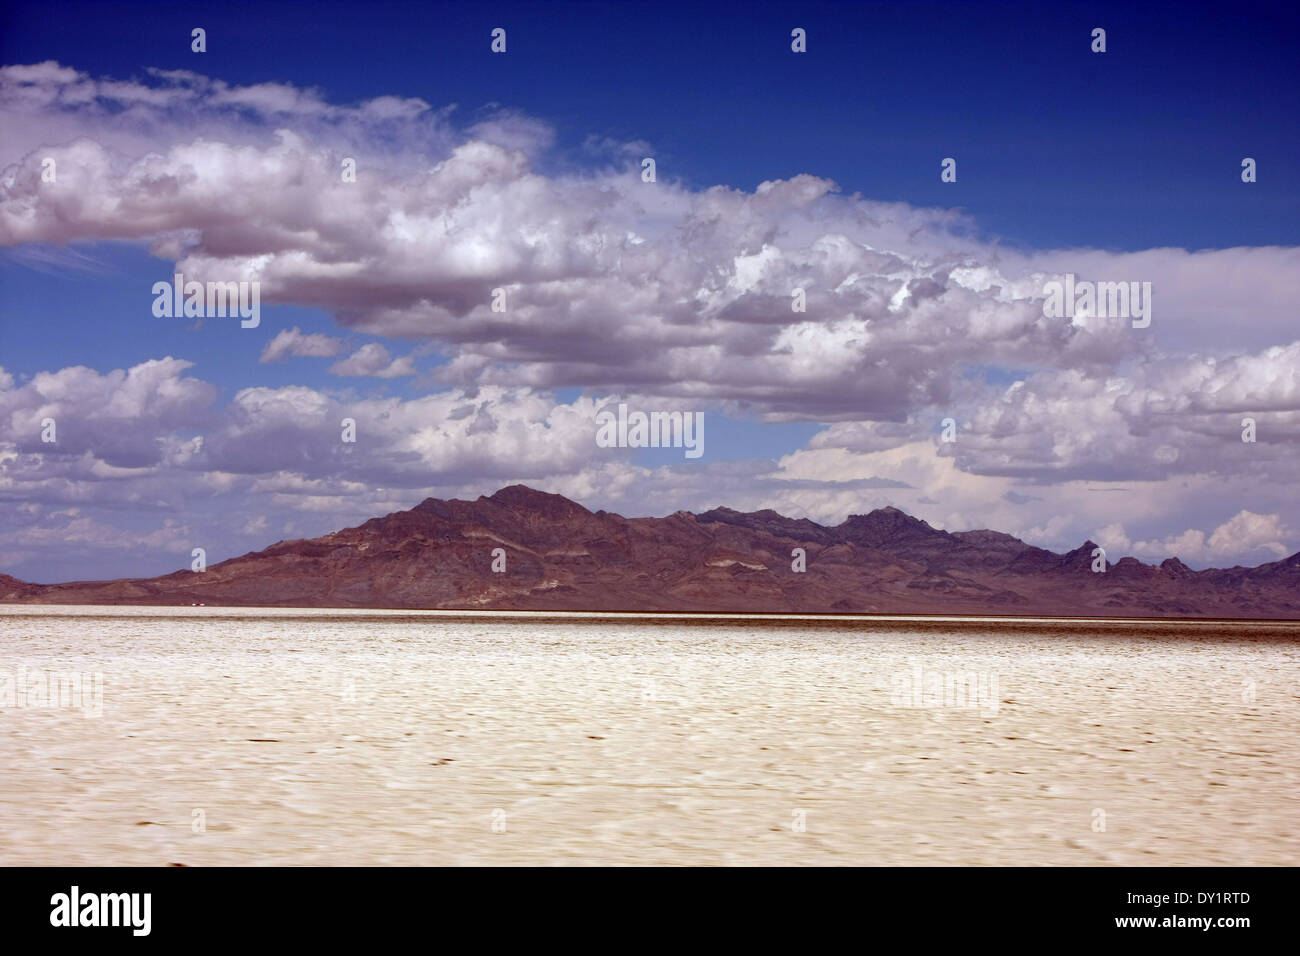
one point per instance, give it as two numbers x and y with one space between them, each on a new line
560 556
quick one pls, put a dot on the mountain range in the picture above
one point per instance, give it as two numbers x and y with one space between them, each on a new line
557 555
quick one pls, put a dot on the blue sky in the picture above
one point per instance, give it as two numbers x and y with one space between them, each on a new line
1063 155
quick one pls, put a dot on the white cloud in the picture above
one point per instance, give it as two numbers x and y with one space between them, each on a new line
122 416
373 360
295 342
1261 536
682 295
1247 532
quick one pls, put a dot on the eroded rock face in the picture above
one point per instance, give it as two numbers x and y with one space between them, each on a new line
560 556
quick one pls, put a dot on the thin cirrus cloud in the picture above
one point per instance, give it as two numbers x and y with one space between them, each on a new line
679 295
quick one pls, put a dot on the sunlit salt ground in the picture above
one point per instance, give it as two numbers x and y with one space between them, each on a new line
292 737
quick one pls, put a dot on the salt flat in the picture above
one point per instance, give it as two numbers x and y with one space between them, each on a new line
238 736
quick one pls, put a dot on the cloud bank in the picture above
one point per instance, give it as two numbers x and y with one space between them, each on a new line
790 302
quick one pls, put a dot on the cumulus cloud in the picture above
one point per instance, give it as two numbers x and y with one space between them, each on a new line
374 360
1163 416
123 419
141 445
270 453
156 417
48 104
295 342
687 297
1246 533
607 280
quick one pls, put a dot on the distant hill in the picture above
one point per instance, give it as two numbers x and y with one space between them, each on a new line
560 556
